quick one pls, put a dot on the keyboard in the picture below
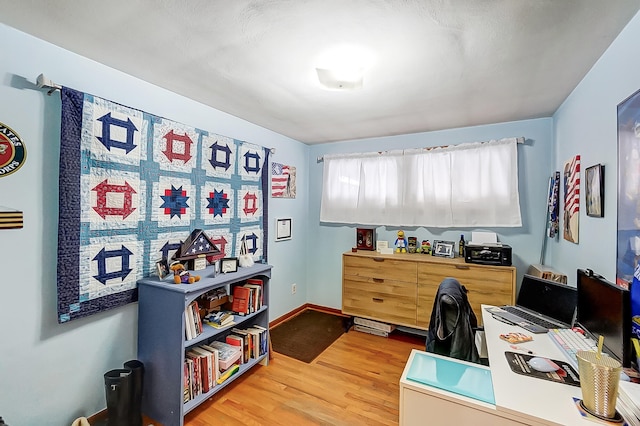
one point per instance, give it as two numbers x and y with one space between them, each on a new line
570 342
531 318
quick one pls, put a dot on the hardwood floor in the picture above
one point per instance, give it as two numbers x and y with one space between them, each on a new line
353 382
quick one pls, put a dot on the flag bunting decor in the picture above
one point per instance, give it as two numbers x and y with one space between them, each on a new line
283 181
572 199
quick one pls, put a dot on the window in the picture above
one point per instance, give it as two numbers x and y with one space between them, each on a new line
467 185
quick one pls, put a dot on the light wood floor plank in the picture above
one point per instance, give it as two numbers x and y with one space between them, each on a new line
353 382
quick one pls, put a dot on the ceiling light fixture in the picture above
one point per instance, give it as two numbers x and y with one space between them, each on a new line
341 79
343 67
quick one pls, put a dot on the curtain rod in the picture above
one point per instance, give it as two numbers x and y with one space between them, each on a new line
44 83
519 140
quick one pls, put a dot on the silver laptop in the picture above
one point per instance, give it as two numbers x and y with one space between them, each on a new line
541 305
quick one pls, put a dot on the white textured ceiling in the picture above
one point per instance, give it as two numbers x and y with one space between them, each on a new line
436 64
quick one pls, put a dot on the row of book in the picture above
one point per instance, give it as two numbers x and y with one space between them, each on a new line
252 341
249 297
206 366
192 321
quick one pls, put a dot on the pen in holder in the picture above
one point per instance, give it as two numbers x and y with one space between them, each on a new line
599 379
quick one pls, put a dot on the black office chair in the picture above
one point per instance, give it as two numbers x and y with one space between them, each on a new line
453 324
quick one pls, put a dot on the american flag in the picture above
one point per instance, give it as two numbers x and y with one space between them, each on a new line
572 186
279 180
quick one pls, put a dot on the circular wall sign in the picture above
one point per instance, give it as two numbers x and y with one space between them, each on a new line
12 151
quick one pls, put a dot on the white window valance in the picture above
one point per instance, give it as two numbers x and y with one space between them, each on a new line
467 185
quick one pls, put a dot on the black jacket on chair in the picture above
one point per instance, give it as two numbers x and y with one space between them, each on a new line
451 329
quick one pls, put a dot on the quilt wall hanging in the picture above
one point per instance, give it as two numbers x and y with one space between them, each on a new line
133 186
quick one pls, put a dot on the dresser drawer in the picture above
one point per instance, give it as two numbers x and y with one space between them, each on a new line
382 299
379 267
400 288
490 285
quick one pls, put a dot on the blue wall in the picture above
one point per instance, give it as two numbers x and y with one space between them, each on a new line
534 157
586 124
50 373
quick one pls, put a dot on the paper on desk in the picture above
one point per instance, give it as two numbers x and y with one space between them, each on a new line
629 397
482 238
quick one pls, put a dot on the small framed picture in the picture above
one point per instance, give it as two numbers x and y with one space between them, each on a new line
229 264
443 248
594 190
283 229
162 266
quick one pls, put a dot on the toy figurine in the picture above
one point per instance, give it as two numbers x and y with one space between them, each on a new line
181 275
426 247
413 244
401 243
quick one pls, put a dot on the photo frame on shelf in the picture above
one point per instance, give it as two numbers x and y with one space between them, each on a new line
229 264
162 267
443 248
594 190
283 229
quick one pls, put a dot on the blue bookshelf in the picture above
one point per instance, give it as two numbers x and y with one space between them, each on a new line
162 342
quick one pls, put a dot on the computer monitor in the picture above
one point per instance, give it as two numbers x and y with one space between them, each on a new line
549 298
604 309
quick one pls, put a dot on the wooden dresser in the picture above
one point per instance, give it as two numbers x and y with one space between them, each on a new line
400 288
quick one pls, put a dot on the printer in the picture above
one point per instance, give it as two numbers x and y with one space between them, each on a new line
488 254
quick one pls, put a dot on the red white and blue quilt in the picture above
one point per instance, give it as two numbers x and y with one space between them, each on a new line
132 188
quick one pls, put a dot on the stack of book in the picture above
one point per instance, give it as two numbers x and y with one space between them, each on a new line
372 327
628 403
219 319
192 321
229 354
248 298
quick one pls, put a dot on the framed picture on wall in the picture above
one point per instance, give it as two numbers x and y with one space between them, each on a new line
594 190
628 196
283 229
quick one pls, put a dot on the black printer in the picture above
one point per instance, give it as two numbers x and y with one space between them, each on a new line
488 254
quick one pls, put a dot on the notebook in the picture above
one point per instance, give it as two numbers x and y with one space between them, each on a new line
541 305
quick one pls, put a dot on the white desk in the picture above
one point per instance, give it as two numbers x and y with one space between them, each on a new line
534 400
518 398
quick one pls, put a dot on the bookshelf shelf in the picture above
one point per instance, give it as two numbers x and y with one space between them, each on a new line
162 343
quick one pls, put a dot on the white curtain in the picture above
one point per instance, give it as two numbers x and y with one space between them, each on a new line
468 185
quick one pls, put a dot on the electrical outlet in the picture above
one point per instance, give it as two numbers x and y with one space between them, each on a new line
293 288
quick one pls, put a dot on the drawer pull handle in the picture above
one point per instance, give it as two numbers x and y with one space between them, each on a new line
378 280
378 259
462 266
377 299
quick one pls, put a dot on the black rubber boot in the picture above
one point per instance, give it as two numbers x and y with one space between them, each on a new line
117 386
136 379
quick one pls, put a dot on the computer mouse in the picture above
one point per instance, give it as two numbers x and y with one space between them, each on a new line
544 365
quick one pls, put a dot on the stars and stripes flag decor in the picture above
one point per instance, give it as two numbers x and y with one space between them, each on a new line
283 181
554 206
572 199
134 186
